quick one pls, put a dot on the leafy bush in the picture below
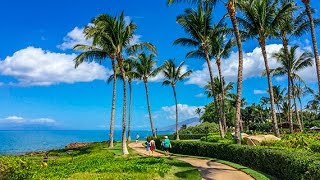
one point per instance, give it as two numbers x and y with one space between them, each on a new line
182 136
315 147
16 168
279 163
202 128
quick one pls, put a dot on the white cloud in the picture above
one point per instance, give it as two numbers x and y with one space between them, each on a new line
43 120
200 95
253 65
15 119
36 67
135 39
258 91
74 37
185 111
26 121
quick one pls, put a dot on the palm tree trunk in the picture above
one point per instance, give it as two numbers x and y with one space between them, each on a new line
217 109
221 129
314 40
231 7
130 110
223 114
301 115
113 106
296 108
149 109
286 53
177 120
124 110
262 43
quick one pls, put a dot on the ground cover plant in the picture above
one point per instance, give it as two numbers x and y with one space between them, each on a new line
94 161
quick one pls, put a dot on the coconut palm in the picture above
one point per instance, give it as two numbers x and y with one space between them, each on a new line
278 98
117 34
231 7
145 69
259 20
197 24
173 74
314 39
313 105
99 50
290 65
198 111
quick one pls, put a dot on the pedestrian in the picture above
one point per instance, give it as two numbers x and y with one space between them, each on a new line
137 138
152 146
148 145
166 145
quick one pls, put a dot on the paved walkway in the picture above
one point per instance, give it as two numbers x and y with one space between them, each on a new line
209 169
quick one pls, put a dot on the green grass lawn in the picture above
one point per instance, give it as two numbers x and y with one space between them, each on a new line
94 162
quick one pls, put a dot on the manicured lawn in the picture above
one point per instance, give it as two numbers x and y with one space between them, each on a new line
94 162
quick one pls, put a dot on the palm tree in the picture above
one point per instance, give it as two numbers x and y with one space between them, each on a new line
260 19
99 50
198 25
290 65
173 74
313 105
116 34
314 39
231 7
198 111
145 69
301 91
278 97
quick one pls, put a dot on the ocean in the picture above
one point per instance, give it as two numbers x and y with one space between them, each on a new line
18 142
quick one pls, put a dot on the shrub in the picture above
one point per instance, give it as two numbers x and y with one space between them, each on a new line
315 147
202 128
279 163
182 136
16 168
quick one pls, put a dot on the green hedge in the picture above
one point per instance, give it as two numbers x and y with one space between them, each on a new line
182 136
279 163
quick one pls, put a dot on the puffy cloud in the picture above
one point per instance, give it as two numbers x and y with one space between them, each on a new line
253 66
185 111
74 37
36 67
258 91
15 119
43 120
20 120
200 95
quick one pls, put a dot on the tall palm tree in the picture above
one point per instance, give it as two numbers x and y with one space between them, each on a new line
259 20
117 35
278 98
231 7
290 64
145 69
99 50
314 39
302 90
173 74
198 24
198 111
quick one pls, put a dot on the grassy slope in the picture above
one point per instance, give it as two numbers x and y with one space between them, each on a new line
99 162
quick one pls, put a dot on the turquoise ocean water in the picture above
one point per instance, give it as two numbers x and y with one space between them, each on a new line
17 142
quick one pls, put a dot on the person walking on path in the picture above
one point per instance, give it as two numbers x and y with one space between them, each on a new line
166 145
152 146
137 138
148 145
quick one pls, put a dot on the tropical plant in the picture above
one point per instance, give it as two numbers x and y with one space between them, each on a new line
173 74
116 35
290 65
99 50
197 24
259 20
145 69
314 39
231 7
198 111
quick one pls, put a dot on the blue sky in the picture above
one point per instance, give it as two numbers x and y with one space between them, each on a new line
39 86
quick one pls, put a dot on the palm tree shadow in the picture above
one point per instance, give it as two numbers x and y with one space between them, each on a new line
185 174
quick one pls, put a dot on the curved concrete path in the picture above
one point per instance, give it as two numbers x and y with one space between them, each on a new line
209 169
